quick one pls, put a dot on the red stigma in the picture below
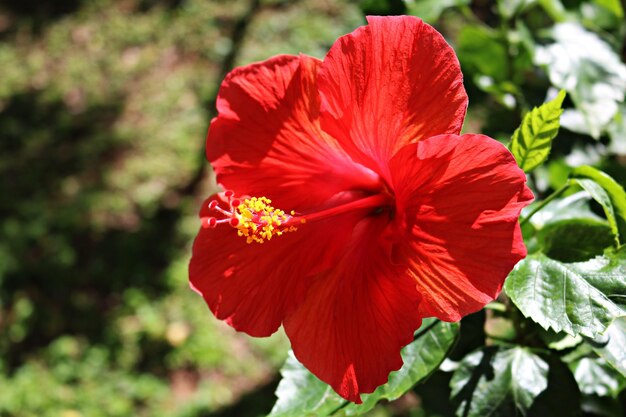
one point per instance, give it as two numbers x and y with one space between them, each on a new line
208 222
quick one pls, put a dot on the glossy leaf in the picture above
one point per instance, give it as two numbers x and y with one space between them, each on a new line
575 206
614 349
531 142
575 298
421 358
498 382
301 393
575 240
596 377
606 191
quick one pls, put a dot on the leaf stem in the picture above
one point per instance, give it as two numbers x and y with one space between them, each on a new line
545 202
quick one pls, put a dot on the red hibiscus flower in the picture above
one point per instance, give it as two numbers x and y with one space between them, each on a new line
390 216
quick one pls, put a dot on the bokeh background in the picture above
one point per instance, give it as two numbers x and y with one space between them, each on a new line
104 108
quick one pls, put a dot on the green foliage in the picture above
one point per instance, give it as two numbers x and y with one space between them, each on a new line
595 377
103 110
576 298
531 142
575 239
431 10
613 347
608 193
498 382
594 76
510 8
614 6
301 392
482 51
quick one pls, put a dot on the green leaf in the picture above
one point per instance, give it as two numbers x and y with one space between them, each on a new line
576 298
531 142
301 393
596 377
482 51
614 6
510 8
430 10
614 350
575 240
575 206
606 191
497 382
421 358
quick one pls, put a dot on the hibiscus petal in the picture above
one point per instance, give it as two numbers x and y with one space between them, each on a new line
254 286
393 82
356 318
458 202
266 139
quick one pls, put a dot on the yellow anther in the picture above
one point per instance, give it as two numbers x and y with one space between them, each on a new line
259 221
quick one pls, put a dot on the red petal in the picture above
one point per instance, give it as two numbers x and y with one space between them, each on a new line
253 286
393 82
356 318
267 140
458 200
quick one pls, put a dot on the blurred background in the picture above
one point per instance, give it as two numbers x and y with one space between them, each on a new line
104 108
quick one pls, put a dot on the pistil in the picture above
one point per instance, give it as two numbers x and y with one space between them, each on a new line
257 221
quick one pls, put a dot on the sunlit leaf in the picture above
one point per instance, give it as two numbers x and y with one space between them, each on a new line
606 191
575 206
596 377
575 298
301 393
531 142
614 349
498 382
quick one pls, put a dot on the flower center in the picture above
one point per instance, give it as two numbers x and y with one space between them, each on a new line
254 218
257 221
